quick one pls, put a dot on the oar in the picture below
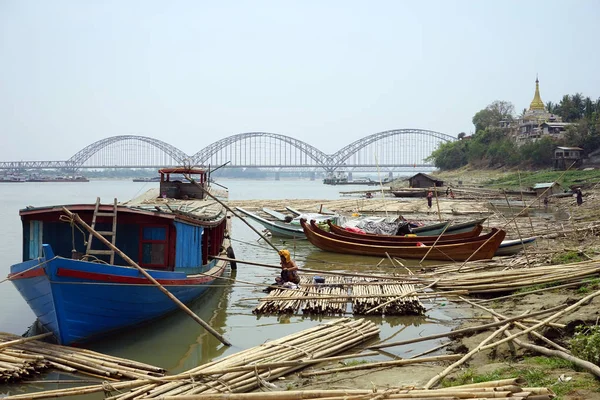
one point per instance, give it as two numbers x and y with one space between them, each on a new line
124 256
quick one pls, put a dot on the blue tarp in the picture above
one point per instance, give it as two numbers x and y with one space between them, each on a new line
188 252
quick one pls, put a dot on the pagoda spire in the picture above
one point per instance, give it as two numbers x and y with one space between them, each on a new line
537 104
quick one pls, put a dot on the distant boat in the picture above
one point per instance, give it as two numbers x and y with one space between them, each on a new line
58 179
153 179
345 181
12 179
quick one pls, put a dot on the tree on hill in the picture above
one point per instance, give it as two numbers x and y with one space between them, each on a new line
493 114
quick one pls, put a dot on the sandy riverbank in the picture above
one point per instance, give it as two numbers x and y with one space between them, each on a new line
565 231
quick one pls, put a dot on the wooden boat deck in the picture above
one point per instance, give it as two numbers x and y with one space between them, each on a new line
340 295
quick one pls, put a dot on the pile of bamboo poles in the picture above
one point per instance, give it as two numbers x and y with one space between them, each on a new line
243 371
515 279
333 298
505 388
368 300
334 288
21 358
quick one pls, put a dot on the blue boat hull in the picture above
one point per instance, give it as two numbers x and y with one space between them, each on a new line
80 301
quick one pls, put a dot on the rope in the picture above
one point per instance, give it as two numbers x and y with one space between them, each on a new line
28 269
71 221
107 387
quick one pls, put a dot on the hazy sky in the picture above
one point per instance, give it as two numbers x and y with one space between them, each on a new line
326 72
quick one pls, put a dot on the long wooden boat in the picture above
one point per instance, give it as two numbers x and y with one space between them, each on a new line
276 228
405 239
512 247
80 290
474 250
392 240
410 193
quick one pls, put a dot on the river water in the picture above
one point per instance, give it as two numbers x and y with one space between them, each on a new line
176 342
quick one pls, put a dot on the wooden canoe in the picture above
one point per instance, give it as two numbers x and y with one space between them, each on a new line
405 239
276 228
475 250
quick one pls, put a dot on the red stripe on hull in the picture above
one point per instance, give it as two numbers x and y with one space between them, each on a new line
92 276
27 274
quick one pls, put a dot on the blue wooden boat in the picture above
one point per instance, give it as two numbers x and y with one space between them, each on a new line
80 291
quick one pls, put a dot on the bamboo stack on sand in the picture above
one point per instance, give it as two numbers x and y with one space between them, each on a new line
505 388
514 279
254 367
21 358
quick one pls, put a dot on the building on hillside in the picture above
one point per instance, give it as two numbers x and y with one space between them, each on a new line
422 180
536 122
564 157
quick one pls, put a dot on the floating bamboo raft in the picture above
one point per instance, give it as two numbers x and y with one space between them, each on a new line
23 358
338 295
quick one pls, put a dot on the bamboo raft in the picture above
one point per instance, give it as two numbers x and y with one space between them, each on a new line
23 358
340 295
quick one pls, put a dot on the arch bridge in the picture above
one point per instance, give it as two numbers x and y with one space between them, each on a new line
388 150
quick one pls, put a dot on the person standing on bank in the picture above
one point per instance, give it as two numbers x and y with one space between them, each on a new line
579 196
289 269
429 199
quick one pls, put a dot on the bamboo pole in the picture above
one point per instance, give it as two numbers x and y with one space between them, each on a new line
23 340
517 227
125 257
437 202
591 367
317 271
519 325
461 331
207 192
446 371
549 319
383 364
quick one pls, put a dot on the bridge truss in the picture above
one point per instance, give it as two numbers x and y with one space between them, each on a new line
390 150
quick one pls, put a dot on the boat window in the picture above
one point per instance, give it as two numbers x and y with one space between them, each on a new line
35 239
154 246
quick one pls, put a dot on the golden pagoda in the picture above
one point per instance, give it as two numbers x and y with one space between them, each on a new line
537 104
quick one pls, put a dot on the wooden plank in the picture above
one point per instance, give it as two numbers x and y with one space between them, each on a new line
275 214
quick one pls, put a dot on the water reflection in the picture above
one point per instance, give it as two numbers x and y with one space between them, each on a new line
176 342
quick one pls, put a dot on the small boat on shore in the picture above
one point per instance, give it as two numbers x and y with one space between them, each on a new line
515 246
81 289
276 228
484 248
410 193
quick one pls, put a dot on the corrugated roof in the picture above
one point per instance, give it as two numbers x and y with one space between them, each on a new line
545 185
569 148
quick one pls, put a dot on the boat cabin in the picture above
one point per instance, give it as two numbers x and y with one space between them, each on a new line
171 228
174 183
